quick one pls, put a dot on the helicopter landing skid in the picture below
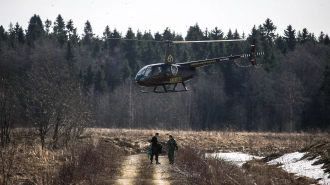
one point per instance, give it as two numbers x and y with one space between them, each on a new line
169 91
166 90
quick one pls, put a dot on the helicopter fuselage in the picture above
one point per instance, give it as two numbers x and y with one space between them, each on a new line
170 72
164 74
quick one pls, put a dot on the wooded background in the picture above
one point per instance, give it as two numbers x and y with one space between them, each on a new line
60 82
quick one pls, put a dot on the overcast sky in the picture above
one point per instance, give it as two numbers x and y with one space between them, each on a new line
178 15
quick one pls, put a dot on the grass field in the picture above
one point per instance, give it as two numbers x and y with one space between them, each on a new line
98 155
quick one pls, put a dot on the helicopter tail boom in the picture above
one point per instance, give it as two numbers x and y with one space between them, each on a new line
251 56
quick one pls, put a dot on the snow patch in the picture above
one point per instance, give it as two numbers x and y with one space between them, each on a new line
291 162
235 158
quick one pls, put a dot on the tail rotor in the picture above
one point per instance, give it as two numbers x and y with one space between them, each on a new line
252 55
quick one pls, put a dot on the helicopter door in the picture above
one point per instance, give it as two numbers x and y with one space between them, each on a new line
157 71
167 72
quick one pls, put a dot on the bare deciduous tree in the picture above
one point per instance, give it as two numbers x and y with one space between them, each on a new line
54 99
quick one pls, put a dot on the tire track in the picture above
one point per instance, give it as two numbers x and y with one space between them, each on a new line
129 170
137 170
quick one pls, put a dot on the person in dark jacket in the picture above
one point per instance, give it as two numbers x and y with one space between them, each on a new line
171 147
154 148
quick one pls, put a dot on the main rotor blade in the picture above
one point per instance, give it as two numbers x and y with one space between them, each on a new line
179 42
199 41
133 40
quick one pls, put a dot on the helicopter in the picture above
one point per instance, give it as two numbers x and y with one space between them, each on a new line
172 73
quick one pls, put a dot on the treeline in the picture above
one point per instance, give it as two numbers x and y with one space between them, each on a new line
59 82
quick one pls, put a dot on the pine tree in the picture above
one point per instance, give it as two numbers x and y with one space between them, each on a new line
147 48
70 27
290 37
229 35
218 49
325 87
107 32
106 35
326 40
97 47
158 36
20 36
321 118
281 44
126 70
59 30
167 35
130 49
229 46
321 37
303 36
195 33
99 82
59 25
216 34
48 24
35 29
88 33
16 35
12 35
69 54
115 43
3 34
89 78
269 30
237 47
74 37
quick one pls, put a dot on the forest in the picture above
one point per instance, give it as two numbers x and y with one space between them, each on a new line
59 82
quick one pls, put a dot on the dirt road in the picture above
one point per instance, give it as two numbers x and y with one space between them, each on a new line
137 170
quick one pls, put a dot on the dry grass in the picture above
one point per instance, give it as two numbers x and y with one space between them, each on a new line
262 144
202 171
265 174
88 163
90 159
81 162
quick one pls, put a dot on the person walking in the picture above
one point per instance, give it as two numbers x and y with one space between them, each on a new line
171 147
154 148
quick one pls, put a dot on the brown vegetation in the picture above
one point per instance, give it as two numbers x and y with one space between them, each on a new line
96 156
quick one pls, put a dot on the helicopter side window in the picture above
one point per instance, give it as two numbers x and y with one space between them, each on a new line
157 70
141 72
148 71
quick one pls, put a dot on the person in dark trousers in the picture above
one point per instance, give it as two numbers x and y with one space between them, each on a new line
171 147
154 148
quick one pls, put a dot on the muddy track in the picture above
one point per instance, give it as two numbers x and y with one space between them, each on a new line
137 170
